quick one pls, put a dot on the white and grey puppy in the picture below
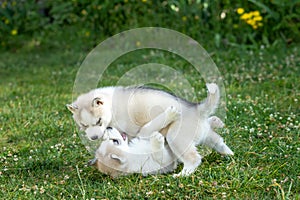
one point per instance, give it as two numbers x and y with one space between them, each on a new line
118 156
128 109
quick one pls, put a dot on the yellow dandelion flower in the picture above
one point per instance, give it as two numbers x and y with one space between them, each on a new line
83 12
260 24
254 26
245 16
250 14
258 18
184 18
14 32
240 11
251 22
256 13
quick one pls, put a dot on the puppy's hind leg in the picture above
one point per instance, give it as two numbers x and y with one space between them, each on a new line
183 146
191 160
216 142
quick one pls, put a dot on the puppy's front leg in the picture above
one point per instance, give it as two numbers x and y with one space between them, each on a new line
159 122
157 142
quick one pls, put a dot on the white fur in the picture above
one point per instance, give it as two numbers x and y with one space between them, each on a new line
119 156
142 155
129 109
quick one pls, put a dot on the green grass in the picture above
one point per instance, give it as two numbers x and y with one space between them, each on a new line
42 156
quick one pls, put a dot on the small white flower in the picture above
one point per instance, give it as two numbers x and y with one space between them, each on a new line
149 193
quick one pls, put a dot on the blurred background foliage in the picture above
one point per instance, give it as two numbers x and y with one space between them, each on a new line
220 24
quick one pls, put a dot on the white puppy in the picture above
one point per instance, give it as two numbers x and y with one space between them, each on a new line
118 156
129 109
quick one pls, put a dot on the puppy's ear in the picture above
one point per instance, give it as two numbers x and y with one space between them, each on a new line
118 158
72 107
97 102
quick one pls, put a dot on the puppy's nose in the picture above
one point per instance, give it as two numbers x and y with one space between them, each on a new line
94 137
109 128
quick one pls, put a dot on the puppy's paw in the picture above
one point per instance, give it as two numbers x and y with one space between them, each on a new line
223 149
227 151
172 114
212 88
157 141
183 173
215 122
188 169
159 138
176 175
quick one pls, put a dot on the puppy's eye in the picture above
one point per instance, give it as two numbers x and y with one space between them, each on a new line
83 126
116 142
98 123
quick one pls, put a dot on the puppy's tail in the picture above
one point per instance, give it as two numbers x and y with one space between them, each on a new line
211 103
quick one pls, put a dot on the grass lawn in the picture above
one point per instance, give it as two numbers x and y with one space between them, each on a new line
42 156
